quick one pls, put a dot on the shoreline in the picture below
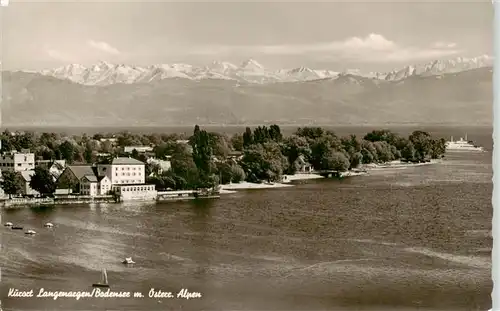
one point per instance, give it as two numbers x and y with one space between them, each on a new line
233 188
398 164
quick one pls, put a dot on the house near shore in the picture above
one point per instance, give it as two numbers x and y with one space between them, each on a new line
124 176
26 177
303 167
55 167
72 176
95 185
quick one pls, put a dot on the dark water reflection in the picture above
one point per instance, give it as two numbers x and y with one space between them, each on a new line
404 239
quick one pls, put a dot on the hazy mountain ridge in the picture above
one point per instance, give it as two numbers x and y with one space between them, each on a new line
250 71
459 98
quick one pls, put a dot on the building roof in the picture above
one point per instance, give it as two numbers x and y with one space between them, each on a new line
27 175
58 164
61 163
82 170
91 178
131 185
126 161
137 147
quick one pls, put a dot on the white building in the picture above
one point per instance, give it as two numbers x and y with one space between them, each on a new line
17 161
27 190
125 176
140 149
123 171
136 192
92 185
112 140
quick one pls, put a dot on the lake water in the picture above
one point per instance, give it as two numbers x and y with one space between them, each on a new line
401 239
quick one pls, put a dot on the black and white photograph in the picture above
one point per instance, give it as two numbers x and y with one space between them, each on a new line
251 156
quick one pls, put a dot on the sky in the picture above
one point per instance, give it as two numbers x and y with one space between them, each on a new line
371 36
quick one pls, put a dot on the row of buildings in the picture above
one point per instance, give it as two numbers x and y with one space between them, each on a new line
123 176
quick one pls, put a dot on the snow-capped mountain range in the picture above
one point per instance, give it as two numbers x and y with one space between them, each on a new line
250 71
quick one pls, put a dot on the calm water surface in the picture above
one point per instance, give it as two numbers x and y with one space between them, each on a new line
401 239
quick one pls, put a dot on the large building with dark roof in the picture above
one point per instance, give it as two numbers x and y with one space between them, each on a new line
125 176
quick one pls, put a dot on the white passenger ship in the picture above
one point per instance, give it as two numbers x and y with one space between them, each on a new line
462 145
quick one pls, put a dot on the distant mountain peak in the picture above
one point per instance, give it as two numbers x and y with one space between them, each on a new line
181 95
251 64
105 63
249 71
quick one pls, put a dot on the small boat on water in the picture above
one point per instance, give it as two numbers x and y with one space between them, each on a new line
104 280
16 228
8 224
30 232
48 225
128 261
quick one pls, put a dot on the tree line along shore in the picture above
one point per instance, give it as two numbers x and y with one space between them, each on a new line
208 159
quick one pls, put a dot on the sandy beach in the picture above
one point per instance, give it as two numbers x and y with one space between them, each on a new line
287 179
231 188
397 164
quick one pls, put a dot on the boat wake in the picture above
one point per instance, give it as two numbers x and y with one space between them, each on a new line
469 261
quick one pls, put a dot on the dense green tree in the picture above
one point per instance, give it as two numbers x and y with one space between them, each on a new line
320 148
221 146
335 160
89 154
166 149
237 142
422 143
97 136
408 152
438 148
157 181
310 133
134 154
382 135
42 181
261 135
275 133
230 172
67 151
266 153
202 143
356 159
383 150
264 162
247 138
26 140
11 182
237 173
107 147
184 170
